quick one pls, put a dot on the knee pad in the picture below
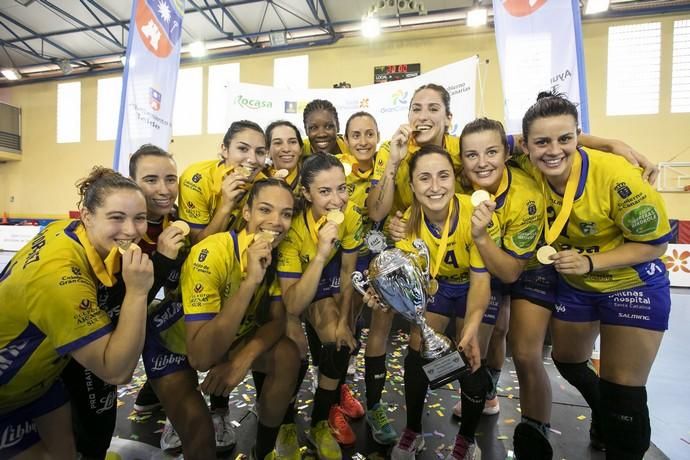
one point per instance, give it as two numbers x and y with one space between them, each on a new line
577 374
625 420
529 443
333 363
476 385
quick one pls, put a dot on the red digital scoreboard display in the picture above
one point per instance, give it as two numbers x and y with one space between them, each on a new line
384 73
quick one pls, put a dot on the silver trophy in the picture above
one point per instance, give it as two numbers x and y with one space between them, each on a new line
402 284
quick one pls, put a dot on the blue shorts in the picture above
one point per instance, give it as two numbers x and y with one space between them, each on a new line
538 286
18 429
645 307
451 300
329 284
158 360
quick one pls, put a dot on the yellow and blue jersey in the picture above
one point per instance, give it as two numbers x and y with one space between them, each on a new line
358 186
211 274
613 205
298 249
403 194
200 194
461 254
49 304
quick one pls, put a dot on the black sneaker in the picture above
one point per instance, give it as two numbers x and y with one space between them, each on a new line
146 399
529 443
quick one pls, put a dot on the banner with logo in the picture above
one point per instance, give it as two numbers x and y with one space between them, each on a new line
539 46
150 78
387 102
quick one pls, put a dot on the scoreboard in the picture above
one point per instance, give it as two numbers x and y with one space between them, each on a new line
384 73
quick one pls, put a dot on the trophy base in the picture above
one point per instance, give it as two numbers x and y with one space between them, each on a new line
445 369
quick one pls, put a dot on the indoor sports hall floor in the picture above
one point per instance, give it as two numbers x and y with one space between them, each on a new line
570 425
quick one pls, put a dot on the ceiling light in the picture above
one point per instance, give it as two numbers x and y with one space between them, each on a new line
197 49
278 38
11 74
371 27
476 17
596 6
65 66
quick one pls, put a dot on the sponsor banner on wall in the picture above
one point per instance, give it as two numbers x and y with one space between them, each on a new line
539 46
150 78
677 260
387 102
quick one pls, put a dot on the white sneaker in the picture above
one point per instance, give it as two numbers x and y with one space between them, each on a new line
409 445
170 440
225 435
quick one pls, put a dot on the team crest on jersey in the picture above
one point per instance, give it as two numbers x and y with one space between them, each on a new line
76 271
623 190
350 189
196 178
531 208
190 205
85 304
588 228
203 254
198 287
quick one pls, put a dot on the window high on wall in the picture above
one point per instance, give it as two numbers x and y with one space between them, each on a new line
680 79
220 77
634 67
291 72
188 102
68 112
108 108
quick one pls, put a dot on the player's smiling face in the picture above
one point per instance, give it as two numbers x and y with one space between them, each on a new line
270 211
119 220
362 138
433 182
157 177
428 117
483 159
285 150
322 131
327 192
247 148
551 143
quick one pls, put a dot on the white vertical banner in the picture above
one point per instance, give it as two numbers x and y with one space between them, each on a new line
539 46
387 102
150 76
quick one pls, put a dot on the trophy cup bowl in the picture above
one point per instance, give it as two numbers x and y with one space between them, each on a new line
401 282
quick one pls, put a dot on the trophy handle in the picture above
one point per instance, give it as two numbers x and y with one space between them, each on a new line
359 283
423 252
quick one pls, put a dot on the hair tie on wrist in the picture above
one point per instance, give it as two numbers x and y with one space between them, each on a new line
591 264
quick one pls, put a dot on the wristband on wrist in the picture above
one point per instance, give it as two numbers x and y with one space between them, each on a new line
591 264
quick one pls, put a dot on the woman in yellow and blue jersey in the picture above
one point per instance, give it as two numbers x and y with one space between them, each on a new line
441 218
284 144
608 228
213 192
70 294
234 318
528 289
321 125
315 264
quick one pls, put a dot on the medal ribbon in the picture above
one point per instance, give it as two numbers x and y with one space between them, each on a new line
314 226
218 175
552 232
444 239
105 270
244 239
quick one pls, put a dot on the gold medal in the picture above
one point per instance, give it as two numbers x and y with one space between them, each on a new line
544 254
281 174
182 225
432 287
264 236
335 216
126 246
479 197
244 171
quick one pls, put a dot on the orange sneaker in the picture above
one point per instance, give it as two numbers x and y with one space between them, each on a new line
340 427
349 404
